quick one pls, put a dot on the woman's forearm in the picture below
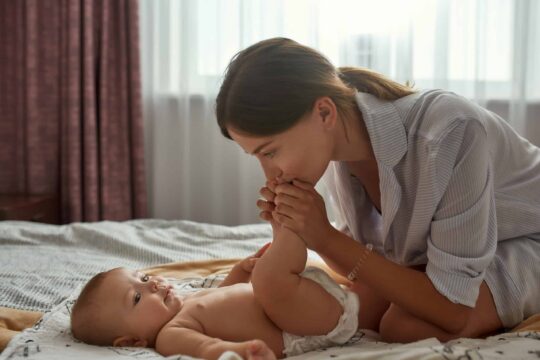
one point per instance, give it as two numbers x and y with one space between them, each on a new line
409 289
334 266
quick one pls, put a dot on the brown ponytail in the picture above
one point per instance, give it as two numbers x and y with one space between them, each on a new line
374 83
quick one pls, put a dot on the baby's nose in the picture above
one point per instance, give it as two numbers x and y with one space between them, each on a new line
156 285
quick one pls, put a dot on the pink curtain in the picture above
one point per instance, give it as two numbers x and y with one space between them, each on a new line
70 106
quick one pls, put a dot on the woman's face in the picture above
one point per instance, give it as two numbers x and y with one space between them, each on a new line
301 152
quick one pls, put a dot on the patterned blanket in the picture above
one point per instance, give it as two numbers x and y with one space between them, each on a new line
42 268
51 339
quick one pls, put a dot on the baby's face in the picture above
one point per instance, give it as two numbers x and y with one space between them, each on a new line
138 303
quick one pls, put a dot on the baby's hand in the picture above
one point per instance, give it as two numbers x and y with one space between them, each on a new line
258 350
241 271
248 263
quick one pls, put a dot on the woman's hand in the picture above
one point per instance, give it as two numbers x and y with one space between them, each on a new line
299 207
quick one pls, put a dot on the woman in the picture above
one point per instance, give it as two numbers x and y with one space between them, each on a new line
441 197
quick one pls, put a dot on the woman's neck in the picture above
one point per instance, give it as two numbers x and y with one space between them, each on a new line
352 140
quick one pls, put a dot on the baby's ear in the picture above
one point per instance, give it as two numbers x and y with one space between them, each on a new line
124 341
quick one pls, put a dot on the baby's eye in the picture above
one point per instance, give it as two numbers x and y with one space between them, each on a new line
145 278
137 298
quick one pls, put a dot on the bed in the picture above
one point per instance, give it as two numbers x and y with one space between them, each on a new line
42 268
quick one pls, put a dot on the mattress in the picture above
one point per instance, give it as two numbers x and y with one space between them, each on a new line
42 268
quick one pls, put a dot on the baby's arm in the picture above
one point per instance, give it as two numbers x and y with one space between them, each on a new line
236 275
186 341
241 271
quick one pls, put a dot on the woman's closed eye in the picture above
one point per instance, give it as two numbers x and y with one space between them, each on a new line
270 154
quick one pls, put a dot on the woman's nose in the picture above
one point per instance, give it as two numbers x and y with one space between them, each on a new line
271 172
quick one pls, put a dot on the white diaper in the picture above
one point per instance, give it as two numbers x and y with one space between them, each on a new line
345 328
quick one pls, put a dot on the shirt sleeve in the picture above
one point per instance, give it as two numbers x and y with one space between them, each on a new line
463 236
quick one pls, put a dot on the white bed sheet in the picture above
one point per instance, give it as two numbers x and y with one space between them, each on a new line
51 339
43 266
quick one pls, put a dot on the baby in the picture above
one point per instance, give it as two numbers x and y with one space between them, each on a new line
287 309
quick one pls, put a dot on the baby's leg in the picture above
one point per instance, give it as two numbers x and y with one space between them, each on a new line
295 304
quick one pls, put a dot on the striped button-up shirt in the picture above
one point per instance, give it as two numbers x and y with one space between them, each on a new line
455 179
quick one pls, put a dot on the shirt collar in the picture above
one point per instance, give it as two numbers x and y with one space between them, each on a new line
385 127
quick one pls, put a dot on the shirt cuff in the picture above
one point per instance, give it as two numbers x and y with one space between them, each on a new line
458 288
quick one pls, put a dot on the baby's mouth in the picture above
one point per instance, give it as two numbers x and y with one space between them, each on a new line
167 292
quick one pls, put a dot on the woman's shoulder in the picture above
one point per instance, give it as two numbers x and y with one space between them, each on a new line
431 114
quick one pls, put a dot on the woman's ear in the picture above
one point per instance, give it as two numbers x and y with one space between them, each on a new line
326 111
329 118
126 340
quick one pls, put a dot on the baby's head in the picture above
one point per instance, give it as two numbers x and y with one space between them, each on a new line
121 307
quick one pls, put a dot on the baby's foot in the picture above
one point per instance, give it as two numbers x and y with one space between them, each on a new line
258 350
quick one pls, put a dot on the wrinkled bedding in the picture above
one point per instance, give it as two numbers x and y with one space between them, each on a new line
42 264
42 268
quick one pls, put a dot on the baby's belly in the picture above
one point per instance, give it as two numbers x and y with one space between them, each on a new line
232 313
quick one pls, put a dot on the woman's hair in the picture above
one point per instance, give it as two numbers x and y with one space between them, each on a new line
269 86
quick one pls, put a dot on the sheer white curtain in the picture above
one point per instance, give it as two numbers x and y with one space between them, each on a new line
487 50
